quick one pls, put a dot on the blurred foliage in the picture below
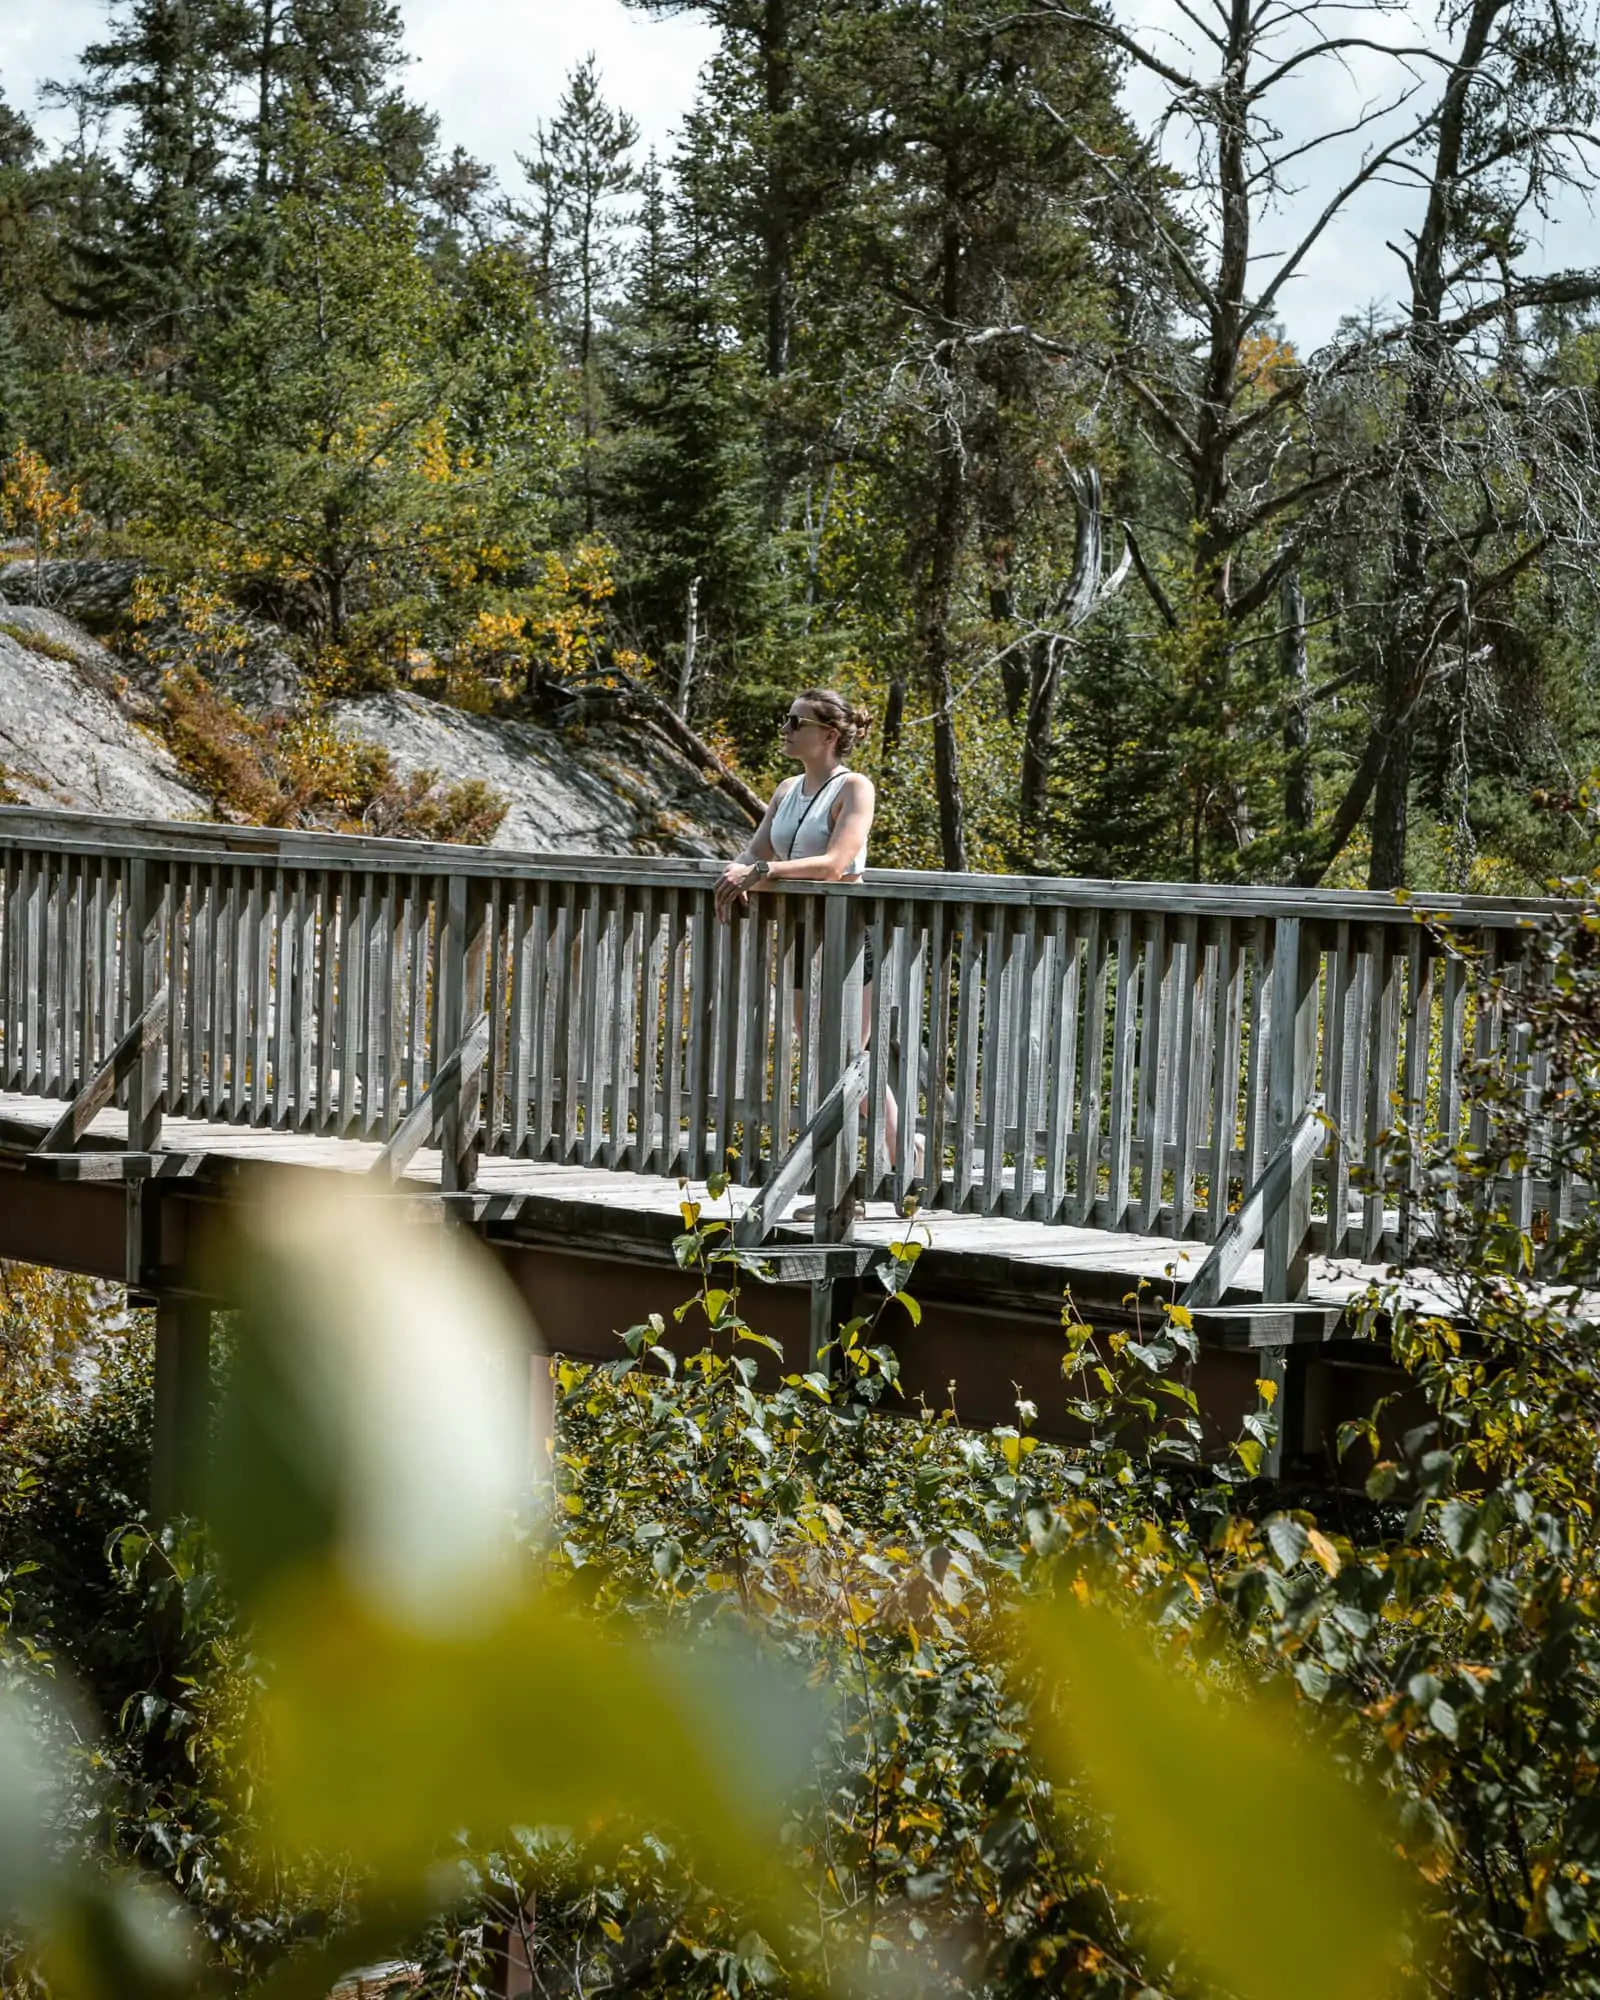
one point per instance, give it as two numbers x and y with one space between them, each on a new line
788 1687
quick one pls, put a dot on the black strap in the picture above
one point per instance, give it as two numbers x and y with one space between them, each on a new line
799 825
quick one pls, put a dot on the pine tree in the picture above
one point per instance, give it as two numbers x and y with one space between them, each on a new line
581 172
681 476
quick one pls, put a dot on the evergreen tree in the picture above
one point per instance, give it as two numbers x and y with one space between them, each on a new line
581 171
682 473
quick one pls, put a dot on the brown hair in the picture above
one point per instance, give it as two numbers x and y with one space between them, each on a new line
831 709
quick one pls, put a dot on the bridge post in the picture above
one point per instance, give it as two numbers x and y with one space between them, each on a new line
1286 1241
145 942
463 963
182 1407
838 1044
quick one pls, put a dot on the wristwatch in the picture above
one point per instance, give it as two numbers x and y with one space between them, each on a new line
759 868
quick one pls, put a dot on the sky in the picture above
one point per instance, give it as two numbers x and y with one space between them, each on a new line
490 68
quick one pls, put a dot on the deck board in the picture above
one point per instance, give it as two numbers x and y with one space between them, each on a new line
1045 1256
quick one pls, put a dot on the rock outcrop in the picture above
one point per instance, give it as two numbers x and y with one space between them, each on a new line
76 730
604 788
66 739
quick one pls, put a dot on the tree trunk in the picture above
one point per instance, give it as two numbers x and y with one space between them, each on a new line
1299 802
1044 678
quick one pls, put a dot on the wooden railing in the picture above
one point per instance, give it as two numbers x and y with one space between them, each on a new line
1119 1055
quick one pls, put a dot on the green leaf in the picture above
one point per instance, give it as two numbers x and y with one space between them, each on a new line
380 1737
1287 1539
1253 1843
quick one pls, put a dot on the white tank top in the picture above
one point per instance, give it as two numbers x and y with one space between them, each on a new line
801 826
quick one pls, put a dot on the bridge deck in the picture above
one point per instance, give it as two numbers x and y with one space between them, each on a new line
1010 1263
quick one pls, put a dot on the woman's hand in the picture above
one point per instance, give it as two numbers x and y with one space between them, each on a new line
733 891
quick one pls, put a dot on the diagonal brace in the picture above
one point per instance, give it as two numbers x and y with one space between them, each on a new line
795 1167
445 1090
1290 1158
108 1079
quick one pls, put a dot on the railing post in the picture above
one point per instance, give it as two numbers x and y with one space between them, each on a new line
179 1446
1292 1066
145 942
838 1044
460 973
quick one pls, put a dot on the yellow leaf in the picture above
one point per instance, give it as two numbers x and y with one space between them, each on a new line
1184 1779
1267 1391
1324 1551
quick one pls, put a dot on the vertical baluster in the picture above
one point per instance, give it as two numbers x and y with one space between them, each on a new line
808 945
937 1095
727 968
1227 1034
1124 1052
309 898
1066 971
539 1091
1155 1062
262 907
32 937
77 1070
760 1075
995 972
880 1056
644 1152
1190 1067
910 955
783 1026
1414 1072
700 1028
969 1017
1336 1075
1026 1028
1091 1070
585 1059
674 1156
617 1022
53 926
1383 1030
519 1045
1452 1010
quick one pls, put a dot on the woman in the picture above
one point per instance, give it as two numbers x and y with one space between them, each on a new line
816 824
814 829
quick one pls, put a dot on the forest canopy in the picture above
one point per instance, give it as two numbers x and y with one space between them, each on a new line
917 366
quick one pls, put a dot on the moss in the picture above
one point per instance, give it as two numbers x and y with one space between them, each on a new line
39 642
300 771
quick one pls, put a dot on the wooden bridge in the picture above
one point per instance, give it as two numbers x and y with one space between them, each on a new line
1106 1084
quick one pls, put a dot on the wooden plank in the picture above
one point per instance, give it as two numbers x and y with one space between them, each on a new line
880 1007
1066 980
910 981
1022 1052
700 1001
1124 1055
940 1043
1189 1069
1383 1023
1091 1070
144 921
968 1004
674 1037
1155 1062
1296 970
1338 1080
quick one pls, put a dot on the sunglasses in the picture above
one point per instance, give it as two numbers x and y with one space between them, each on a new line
790 723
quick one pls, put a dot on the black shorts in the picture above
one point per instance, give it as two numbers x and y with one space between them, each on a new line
802 951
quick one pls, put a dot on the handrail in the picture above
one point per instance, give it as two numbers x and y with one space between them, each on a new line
110 835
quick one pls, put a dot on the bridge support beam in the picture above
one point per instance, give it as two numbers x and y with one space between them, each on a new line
181 1442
